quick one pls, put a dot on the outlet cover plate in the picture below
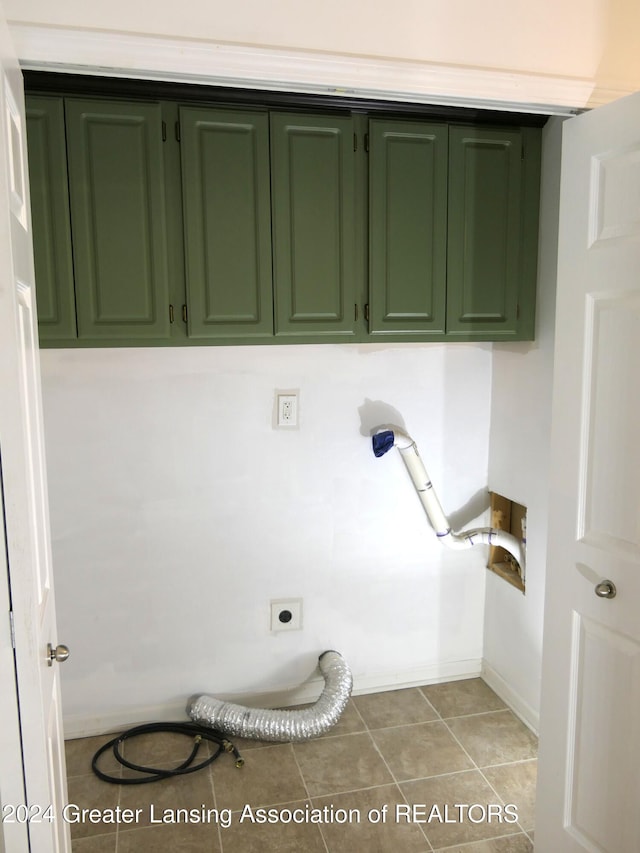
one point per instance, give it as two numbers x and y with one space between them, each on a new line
286 409
286 614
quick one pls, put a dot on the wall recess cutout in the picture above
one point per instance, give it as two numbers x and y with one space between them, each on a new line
512 517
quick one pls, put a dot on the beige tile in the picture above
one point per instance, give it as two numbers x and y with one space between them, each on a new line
495 738
516 783
509 844
349 723
457 698
279 837
426 749
79 754
163 749
89 792
372 823
95 844
394 708
270 775
188 838
455 808
192 791
337 764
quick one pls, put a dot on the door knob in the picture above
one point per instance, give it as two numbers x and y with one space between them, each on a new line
606 589
60 653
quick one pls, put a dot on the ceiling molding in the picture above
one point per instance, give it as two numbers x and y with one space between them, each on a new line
212 63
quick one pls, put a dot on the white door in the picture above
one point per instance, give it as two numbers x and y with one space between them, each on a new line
25 511
589 773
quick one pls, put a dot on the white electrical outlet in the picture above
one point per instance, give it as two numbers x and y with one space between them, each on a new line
286 614
287 409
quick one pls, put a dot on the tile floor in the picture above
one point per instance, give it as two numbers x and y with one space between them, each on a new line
442 767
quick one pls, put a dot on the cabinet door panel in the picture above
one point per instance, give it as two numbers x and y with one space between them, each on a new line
116 185
227 222
407 227
485 216
314 228
50 219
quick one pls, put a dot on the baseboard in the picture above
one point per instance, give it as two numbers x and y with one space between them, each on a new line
529 716
84 725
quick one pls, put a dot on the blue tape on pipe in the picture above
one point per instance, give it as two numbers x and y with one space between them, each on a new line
382 442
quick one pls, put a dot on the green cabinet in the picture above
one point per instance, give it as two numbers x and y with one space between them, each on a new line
227 222
98 210
314 225
117 199
453 231
51 222
407 228
489 284
189 223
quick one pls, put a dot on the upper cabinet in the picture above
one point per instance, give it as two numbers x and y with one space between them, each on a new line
180 223
407 229
227 222
51 220
491 257
314 225
118 220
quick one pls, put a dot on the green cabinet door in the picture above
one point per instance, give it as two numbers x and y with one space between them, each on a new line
407 228
50 220
490 271
314 225
116 188
227 222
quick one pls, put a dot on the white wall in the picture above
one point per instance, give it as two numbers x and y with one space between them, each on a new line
499 34
178 512
518 466
135 509
573 53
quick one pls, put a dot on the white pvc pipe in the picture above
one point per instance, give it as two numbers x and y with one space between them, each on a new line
438 520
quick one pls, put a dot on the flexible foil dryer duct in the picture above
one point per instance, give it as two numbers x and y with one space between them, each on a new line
263 724
384 441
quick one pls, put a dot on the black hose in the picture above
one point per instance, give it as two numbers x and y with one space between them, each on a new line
155 774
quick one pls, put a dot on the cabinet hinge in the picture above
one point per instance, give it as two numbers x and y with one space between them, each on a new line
12 628
366 312
184 313
178 131
171 313
164 131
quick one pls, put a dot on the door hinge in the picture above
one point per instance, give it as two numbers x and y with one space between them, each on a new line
178 131
164 131
12 628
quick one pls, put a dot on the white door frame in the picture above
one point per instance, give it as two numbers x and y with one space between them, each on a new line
34 786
